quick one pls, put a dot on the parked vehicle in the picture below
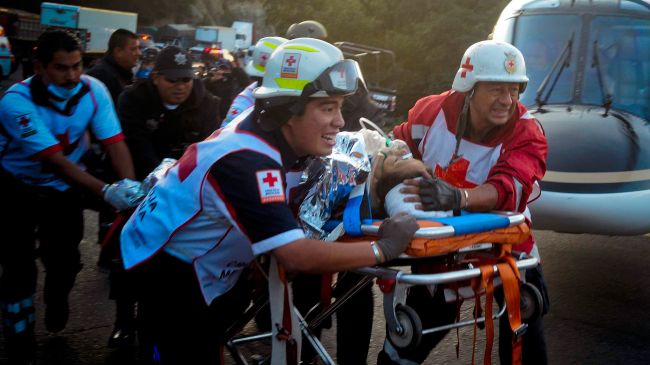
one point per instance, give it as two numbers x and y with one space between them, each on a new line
6 57
21 28
93 26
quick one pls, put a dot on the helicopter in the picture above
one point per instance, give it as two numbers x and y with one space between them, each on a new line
588 62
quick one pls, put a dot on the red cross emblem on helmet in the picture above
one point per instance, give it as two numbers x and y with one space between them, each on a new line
467 67
290 64
511 63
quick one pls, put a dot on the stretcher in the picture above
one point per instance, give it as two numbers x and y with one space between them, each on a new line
471 248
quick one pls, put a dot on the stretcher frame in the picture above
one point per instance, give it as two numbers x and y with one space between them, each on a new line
394 285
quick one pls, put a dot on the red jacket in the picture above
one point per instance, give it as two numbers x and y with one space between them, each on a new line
512 158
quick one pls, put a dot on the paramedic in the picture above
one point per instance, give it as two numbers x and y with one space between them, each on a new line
225 201
487 153
43 133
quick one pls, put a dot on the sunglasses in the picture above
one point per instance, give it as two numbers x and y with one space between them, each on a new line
183 80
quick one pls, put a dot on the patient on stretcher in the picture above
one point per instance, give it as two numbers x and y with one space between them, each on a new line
389 169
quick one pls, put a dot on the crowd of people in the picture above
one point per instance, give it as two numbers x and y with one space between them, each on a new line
179 247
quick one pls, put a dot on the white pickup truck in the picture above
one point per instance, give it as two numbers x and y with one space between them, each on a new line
93 26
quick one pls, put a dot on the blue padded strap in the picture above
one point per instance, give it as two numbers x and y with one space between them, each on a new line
352 211
475 222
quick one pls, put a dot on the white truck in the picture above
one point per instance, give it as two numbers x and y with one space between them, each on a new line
214 35
244 37
93 26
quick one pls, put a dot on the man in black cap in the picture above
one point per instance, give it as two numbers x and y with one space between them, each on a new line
164 114
161 116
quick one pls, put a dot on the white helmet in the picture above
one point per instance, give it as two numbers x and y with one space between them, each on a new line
490 61
261 53
308 67
307 28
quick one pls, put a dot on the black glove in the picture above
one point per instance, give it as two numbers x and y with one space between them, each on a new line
395 234
437 194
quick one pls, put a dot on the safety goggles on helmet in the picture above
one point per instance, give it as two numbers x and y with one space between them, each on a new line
342 78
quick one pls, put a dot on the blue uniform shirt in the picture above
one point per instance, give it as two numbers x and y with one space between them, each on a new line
30 131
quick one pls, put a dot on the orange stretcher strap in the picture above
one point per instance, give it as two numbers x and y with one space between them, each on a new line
505 236
507 268
437 246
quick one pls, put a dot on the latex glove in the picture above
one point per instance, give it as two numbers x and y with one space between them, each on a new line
395 234
156 175
123 194
433 194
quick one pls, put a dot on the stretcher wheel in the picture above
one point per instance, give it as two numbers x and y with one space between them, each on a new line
531 302
411 333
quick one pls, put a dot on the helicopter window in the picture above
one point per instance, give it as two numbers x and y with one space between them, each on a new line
623 51
542 39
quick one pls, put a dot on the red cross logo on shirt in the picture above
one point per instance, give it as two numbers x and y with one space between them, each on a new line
455 173
466 67
290 61
24 122
270 179
64 139
234 112
264 57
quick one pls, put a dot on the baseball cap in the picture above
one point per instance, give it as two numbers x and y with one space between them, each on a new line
174 63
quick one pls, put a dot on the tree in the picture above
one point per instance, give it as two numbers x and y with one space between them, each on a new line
428 37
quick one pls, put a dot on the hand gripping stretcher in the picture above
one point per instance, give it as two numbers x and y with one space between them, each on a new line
471 254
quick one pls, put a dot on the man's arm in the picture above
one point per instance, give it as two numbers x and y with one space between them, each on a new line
313 256
72 173
121 160
479 199
308 255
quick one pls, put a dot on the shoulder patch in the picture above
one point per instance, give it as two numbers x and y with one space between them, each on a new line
25 125
271 186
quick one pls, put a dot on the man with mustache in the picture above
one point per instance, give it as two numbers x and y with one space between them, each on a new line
44 125
486 152
167 112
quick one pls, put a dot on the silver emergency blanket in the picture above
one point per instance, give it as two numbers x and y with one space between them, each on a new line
330 180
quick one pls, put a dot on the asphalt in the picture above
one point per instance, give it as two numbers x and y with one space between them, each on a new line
599 313
599 287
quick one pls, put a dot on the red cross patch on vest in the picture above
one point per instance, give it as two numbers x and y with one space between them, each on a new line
271 186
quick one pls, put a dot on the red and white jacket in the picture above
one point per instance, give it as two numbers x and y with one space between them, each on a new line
512 158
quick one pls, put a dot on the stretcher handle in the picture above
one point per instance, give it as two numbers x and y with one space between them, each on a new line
440 278
443 231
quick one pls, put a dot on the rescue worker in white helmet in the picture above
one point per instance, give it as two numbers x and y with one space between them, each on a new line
255 70
354 320
487 152
226 201
307 28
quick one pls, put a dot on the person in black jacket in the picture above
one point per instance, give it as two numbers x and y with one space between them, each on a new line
161 116
225 81
115 68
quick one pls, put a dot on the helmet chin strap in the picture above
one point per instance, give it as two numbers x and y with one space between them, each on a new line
274 113
461 126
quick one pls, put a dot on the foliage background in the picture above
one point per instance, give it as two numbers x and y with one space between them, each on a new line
427 36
